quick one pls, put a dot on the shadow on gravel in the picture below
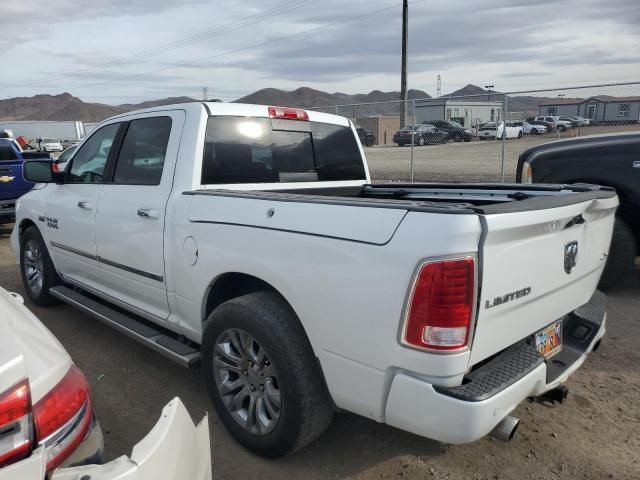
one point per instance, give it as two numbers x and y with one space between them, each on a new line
5 230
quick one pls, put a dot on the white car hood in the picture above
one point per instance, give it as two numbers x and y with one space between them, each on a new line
24 339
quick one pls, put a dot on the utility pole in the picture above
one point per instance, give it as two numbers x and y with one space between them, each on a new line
439 87
204 93
403 73
488 87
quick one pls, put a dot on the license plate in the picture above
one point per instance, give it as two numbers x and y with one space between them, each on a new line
549 340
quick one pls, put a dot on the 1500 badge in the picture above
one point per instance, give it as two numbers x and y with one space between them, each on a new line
507 297
51 222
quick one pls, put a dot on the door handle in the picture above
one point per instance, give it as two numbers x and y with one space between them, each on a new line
148 213
85 205
636 164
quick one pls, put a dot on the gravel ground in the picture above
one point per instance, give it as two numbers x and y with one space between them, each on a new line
595 435
476 161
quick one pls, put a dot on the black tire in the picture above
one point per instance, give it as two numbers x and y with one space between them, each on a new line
457 137
622 255
369 142
520 134
306 408
38 293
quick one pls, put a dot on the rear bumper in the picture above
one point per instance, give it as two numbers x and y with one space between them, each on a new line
91 450
174 449
470 411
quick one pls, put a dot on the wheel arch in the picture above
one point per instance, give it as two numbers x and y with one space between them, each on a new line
235 284
231 285
24 224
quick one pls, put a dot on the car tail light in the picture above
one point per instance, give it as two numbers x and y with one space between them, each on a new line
16 434
526 173
63 417
439 314
287 113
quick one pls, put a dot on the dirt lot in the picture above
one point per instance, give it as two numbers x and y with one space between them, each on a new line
595 435
476 161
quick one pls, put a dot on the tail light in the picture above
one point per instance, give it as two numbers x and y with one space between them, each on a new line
440 309
63 417
16 437
286 113
526 174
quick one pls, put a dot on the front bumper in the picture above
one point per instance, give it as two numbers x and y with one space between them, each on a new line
470 411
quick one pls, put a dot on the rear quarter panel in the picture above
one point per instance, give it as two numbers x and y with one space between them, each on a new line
349 294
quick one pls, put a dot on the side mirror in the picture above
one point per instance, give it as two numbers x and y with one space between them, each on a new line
41 171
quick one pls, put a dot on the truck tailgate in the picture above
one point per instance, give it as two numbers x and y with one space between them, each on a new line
537 266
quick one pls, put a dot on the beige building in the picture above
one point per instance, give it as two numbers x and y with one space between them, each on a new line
383 127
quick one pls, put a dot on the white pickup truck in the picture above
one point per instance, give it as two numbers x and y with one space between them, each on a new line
248 240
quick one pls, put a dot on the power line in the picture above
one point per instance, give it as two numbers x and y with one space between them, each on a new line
206 35
242 49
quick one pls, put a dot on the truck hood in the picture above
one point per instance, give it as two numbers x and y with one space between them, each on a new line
24 339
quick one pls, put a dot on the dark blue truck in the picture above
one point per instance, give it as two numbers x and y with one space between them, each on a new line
12 183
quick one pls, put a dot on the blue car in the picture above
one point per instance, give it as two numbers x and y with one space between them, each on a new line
12 183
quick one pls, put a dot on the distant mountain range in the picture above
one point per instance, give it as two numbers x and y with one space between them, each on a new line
67 107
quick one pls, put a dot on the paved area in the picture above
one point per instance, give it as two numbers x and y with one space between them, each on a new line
475 161
595 435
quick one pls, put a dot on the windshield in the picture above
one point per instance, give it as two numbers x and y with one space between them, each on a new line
250 150
49 140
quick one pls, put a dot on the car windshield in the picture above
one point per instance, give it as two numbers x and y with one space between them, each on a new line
455 124
49 140
408 128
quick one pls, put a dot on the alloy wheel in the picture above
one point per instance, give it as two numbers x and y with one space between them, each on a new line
247 382
33 266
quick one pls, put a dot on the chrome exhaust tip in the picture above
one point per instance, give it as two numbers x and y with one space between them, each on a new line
506 429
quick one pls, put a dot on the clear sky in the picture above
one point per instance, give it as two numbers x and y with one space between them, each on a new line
121 51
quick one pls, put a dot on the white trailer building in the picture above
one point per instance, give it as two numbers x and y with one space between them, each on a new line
466 112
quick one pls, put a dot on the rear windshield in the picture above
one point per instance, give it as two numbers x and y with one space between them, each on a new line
249 150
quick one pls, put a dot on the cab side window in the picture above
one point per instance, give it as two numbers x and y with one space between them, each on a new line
144 147
7 153
89 161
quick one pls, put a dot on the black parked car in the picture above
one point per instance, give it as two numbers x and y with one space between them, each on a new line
610 160
456 132
423 134
367 138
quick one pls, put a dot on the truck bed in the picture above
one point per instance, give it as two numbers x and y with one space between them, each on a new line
482 199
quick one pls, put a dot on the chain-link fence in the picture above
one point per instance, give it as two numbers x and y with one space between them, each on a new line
478 138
